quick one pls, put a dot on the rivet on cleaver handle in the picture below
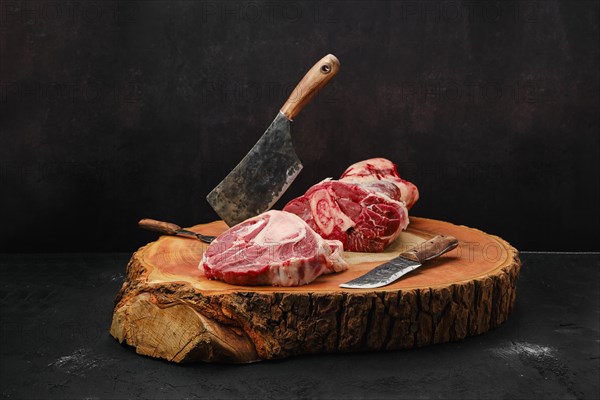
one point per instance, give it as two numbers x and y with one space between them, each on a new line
410 260
265 173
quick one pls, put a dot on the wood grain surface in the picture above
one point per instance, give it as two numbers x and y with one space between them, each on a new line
167 308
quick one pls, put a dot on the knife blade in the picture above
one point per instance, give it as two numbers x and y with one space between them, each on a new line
265 173
406 262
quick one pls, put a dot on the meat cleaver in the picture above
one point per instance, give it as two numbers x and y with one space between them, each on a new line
410 260
271 166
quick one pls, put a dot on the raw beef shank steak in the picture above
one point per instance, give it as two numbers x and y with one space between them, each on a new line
379 172
365 210
274 248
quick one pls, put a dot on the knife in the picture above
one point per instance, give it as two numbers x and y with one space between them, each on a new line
410 260
172 229
271 166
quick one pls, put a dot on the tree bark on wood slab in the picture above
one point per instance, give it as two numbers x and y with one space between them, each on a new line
168 309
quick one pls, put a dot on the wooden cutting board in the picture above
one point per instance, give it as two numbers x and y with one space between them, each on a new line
168 309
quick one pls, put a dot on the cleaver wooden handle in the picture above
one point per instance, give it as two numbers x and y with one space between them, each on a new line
314 80
431 249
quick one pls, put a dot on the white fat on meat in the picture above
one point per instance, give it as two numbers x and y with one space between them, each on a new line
279 230
366 209
375 170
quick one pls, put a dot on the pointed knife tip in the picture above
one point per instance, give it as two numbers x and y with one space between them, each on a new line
345 286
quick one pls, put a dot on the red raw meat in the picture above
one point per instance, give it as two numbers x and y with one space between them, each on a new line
362 219
365 209
274 248
378 171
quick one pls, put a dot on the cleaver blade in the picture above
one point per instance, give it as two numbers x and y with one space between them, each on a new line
266 172
406 262
261 178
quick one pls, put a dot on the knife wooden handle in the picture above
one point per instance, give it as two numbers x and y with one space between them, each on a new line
431 249
159 226
314 80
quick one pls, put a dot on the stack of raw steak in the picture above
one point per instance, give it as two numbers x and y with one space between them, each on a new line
366 209
274 248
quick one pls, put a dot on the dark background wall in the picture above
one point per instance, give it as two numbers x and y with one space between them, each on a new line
113 111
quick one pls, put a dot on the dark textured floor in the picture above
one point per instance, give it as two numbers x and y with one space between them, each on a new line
55 313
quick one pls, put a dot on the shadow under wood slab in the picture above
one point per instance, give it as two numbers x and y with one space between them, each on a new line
168 309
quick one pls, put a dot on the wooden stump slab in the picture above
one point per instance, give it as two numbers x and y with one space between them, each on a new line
168 309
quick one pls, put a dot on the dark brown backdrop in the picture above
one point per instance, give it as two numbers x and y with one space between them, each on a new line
112 111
